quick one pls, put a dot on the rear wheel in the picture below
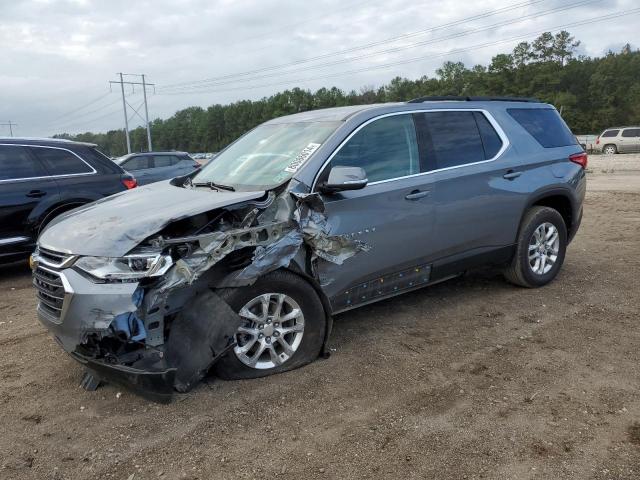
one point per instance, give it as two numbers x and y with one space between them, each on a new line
283 327
541 247
610 149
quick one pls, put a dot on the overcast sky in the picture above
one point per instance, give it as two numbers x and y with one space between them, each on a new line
58 55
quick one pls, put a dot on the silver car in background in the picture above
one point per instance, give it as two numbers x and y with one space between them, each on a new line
619 140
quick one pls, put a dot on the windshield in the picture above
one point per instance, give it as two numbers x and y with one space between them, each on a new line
266 156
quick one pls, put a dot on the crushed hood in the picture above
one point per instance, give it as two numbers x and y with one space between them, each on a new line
113 226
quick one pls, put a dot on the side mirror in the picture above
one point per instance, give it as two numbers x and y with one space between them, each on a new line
344 178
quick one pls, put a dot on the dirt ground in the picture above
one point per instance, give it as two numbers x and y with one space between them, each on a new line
473 378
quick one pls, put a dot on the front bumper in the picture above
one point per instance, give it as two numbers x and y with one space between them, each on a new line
71 306
152 385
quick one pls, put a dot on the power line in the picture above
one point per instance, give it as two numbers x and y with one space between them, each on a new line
428 57
356 48
100 117
314 18
396 49
74 119
95 100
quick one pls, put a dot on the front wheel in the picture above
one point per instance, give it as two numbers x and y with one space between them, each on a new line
540 250
283 327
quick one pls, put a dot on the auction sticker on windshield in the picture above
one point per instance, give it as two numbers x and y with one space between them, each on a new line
302 157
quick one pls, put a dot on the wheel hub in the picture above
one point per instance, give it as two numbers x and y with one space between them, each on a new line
544 247
272 329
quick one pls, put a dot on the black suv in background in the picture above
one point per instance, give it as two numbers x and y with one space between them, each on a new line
42 178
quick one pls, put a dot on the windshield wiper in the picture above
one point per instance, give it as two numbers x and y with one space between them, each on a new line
213 185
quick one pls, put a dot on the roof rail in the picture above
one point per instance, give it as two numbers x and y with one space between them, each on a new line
439 98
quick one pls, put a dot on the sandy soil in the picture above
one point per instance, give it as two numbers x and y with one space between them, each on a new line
469 379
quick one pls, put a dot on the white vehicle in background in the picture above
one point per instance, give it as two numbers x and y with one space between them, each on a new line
619 140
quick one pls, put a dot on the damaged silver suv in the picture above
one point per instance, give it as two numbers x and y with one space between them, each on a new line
238 268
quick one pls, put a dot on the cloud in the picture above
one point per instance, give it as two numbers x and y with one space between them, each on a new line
59 55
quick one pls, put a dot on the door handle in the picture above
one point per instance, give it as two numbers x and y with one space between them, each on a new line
36 194
417 194
510 175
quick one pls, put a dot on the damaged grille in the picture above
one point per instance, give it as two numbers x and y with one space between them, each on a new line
53 258
50 291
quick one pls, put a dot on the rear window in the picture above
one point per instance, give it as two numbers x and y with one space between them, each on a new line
631 132
610 133
61 162
545 125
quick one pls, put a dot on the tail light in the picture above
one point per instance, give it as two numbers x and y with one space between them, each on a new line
129 182
598 141
579 158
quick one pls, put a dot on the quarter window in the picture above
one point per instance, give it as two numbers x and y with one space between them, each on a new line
491 141
545 125
16 163
386 148
631 132
61 162
610 133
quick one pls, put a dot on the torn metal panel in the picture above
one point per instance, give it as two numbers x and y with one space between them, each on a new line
282 228
195 341
310 218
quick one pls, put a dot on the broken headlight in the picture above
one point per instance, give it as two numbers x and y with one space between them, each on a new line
130 267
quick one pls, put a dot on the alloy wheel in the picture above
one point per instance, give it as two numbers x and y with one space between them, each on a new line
544 246
272 329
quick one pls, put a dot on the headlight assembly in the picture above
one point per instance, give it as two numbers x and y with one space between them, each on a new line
130 267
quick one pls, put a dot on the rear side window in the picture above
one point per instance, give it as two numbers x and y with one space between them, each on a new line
386 148
453 139
631 132
16 163
545 125
610 133
165 160
137 163
61 162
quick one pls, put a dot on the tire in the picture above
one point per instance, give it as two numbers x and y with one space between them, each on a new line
610 149
295 292
521 271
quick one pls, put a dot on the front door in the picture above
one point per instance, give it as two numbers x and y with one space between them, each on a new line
393 215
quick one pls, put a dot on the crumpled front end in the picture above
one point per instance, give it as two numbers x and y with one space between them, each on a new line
151 319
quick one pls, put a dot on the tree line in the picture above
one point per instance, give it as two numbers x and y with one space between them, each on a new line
593 93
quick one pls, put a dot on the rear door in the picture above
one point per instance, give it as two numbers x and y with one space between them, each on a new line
476 208
166 167
630 140
185 165
24 183
70 171
141 167
393 214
